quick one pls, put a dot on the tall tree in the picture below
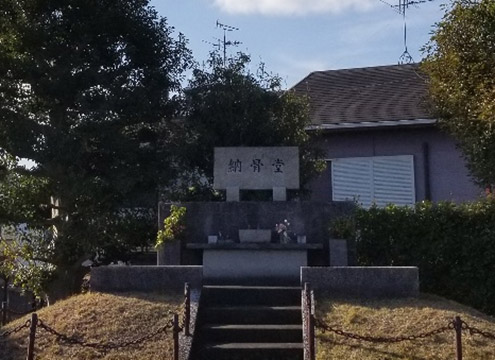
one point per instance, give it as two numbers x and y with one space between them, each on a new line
461 68
227 104
86 92
25 243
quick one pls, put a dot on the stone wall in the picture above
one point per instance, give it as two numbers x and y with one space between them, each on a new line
363 281
144 278
211 218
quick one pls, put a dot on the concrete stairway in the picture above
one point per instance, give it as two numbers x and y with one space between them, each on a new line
249 322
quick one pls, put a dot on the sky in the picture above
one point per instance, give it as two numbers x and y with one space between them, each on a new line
296 37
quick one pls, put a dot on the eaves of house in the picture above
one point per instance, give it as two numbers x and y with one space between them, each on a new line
366 98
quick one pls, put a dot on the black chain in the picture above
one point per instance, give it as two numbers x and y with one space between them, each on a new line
105 346
475 331
177 310
379 339
26 325
181 310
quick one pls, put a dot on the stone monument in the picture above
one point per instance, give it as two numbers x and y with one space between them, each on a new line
256 168
254 257
237 241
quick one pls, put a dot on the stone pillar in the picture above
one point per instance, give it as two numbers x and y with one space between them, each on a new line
338 252
169 253
279 194
233 193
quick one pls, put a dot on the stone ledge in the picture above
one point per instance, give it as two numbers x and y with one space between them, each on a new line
252 246
363 281
145 278
239 266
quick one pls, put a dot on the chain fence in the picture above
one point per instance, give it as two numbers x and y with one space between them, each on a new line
15 330
172 325
69 340
175 324
457 325
380 339
475 331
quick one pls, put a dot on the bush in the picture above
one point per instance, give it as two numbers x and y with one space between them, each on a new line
452 244
174 226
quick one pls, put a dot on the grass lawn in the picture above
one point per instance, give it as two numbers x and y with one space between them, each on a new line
389 318
98 317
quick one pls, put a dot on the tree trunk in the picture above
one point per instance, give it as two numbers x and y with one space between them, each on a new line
5 289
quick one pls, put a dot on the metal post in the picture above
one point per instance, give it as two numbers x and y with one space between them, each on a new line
312 339
32 336
4 313
458 337
187 310
176 330
309 321
306 320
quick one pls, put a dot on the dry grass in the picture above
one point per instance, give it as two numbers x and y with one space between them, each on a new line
105 317
400 317
98 317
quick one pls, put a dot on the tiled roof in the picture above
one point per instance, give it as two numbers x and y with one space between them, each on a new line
395 93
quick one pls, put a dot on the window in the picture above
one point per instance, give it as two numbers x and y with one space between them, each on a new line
380 179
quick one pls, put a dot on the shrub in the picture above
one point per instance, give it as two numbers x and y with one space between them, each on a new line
452 244
173 226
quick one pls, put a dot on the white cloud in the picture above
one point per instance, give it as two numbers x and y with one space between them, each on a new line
291 7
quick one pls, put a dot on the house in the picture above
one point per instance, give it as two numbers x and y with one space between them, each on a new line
381 142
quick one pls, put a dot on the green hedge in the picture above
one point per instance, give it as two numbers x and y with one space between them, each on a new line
452 244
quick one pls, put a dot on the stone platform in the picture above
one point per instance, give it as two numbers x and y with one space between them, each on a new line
363 281
253 262
347 281
145 278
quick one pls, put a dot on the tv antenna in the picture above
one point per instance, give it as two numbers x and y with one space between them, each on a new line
401 8
226 42
216 45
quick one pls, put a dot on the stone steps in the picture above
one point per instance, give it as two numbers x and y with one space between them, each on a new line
248 333
249 322
252 295
253 314
264 351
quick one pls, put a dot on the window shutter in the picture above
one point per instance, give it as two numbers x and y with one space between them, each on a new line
351 180
381 180
393 179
